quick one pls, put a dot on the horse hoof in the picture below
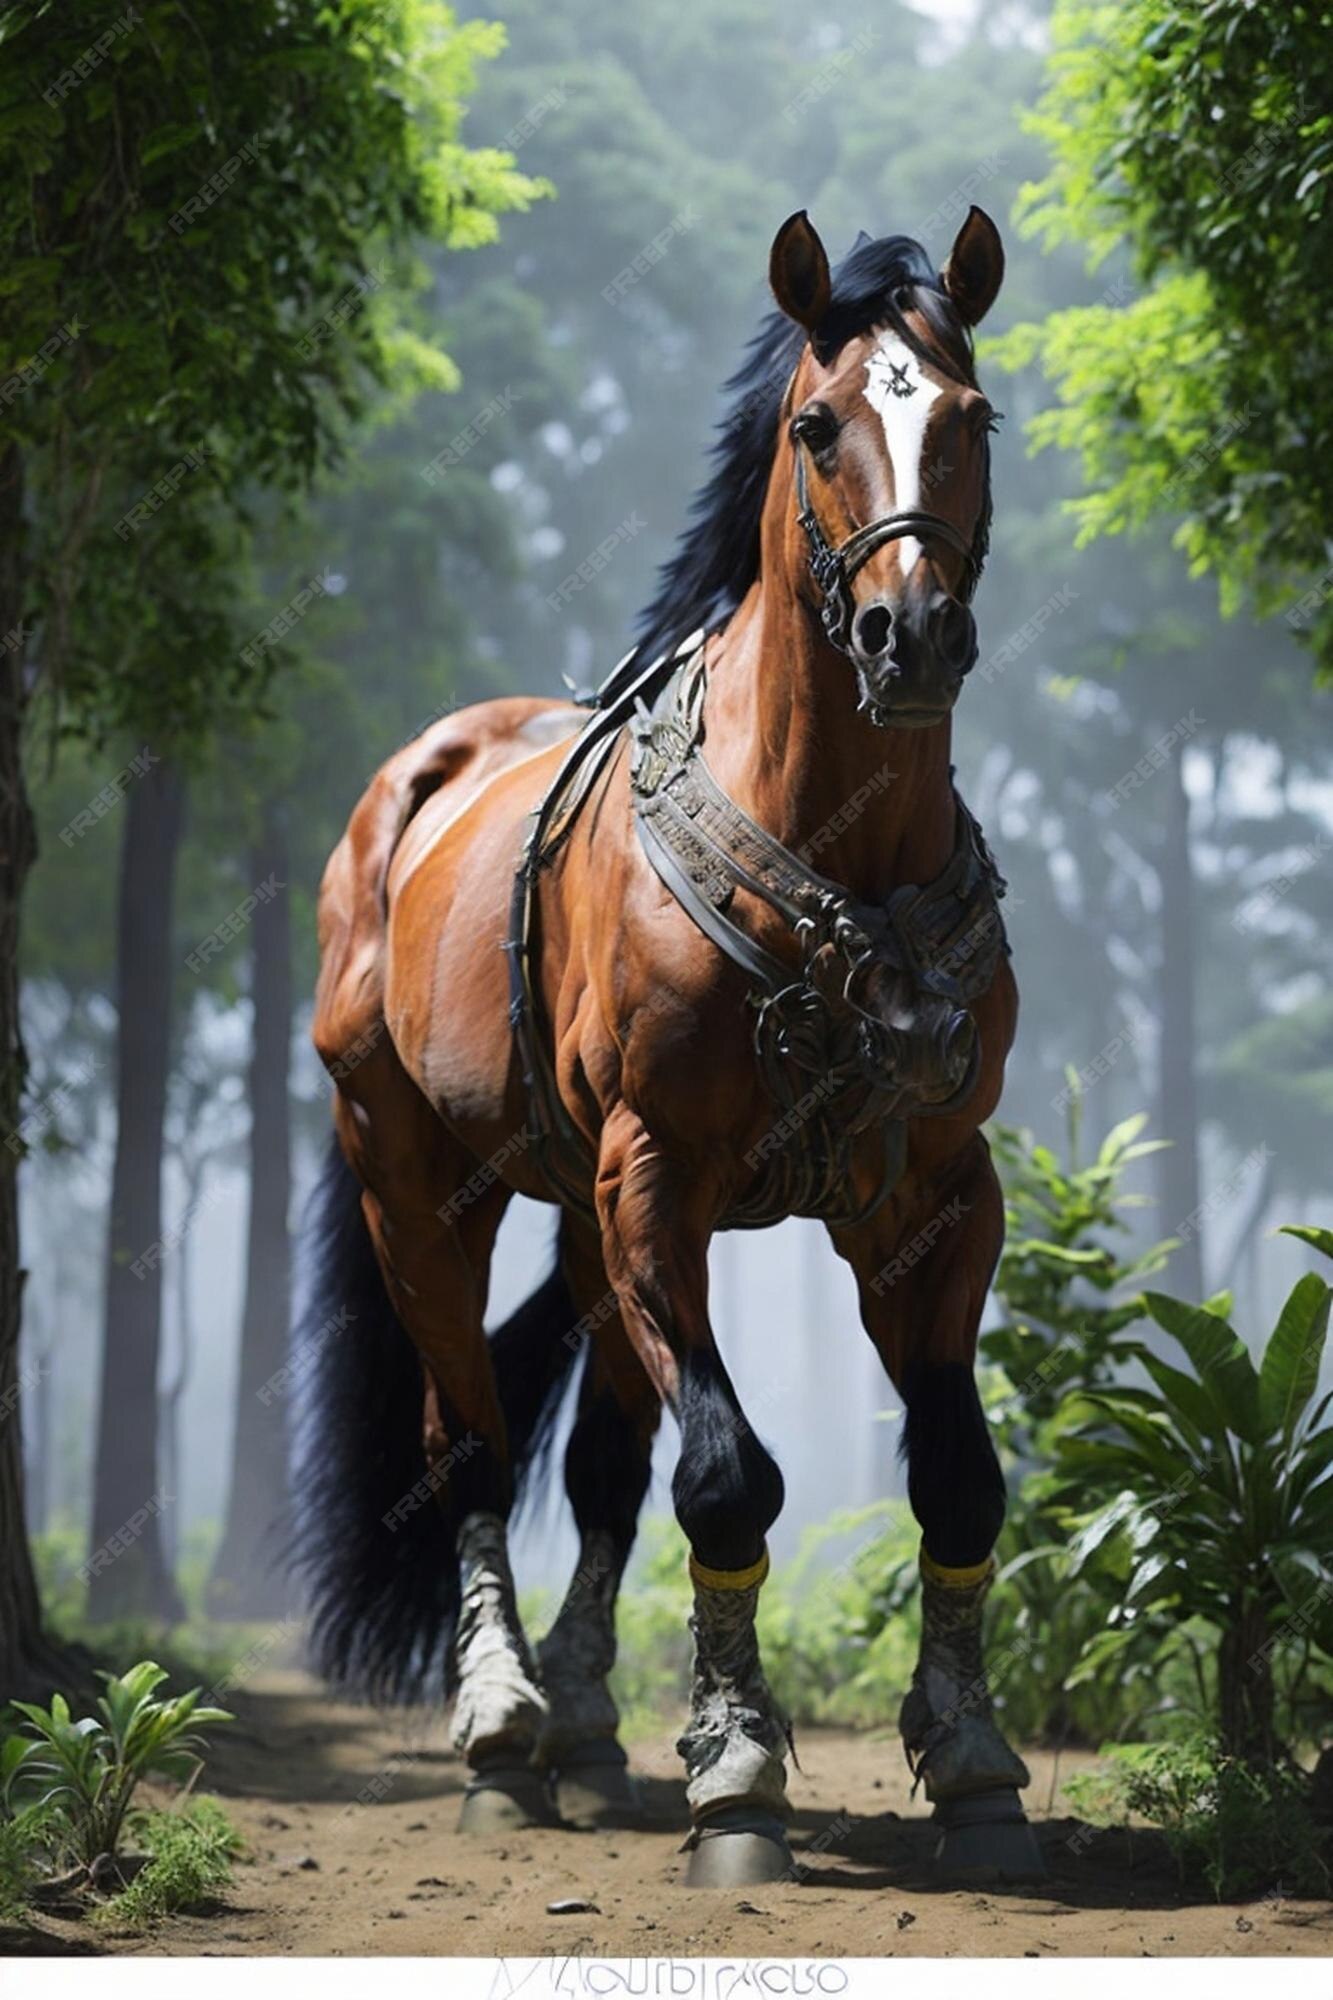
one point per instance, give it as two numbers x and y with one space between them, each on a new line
593 1788
503 1794
987 1838
737 1848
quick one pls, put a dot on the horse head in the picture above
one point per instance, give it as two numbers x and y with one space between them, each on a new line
886 449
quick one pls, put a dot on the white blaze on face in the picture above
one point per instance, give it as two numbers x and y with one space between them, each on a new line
898 388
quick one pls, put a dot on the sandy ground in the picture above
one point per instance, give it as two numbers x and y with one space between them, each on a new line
350 1820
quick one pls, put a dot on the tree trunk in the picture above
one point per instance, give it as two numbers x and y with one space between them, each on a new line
1245 1687
1178 1110
128 1572
37 1439
172 1399
24 1653
248 1579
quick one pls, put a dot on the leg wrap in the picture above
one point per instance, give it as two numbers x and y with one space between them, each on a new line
948 1727
733 1745
499 1706
579 1652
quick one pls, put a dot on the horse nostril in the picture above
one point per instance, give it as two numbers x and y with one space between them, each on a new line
874 631
954 632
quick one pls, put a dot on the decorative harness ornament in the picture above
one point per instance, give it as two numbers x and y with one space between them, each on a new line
867 1029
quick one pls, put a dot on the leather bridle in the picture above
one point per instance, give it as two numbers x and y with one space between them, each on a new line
834 568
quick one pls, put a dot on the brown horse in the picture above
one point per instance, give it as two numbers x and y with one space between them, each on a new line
768 981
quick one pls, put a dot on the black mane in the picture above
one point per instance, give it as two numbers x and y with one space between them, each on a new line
717 557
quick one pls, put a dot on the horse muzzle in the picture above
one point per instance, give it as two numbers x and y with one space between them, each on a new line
911 664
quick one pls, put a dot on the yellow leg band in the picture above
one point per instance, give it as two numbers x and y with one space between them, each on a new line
954 1579
729 1579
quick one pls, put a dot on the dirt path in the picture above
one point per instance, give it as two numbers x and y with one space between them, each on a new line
350 1820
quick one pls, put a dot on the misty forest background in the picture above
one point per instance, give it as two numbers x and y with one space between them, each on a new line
1172 934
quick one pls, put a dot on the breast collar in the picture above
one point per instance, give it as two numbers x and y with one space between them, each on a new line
870 1026
865 1026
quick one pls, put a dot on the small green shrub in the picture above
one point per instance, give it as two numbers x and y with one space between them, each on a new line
84 1774
1062 1276
25 1843
1068 1293
1243 1830
192 1853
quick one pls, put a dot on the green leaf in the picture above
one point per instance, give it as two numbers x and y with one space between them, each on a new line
1119 1137
1319 1239
1113 1520
169 139
1221 1360
1188 1398
1148 1427
1100 1650
1311 1461
1146 1574
1289 1371
1308 1590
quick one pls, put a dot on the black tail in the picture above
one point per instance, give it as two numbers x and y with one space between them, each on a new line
380 1573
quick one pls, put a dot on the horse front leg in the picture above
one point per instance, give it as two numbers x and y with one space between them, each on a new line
922 1270
657 1215
607 1464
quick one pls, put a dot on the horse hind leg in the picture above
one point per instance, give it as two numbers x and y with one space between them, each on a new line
434 1237
499 1709
607 1466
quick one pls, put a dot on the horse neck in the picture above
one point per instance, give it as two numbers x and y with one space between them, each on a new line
866 806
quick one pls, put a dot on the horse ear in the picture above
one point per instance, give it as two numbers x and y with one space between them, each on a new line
975 268
798 272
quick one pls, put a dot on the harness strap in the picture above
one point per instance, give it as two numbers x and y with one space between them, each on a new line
560 1147
835 566
736 944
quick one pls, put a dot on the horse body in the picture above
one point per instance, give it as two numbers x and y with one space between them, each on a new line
651 1045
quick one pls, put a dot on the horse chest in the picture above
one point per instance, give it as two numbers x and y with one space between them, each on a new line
861 1025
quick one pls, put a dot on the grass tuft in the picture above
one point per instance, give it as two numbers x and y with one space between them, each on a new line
192 1854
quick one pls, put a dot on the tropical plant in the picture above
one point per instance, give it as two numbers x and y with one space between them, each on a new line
1062 1282
1213 1501
85 1774
1062 1269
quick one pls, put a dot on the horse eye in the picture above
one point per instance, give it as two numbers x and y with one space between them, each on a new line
817 428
